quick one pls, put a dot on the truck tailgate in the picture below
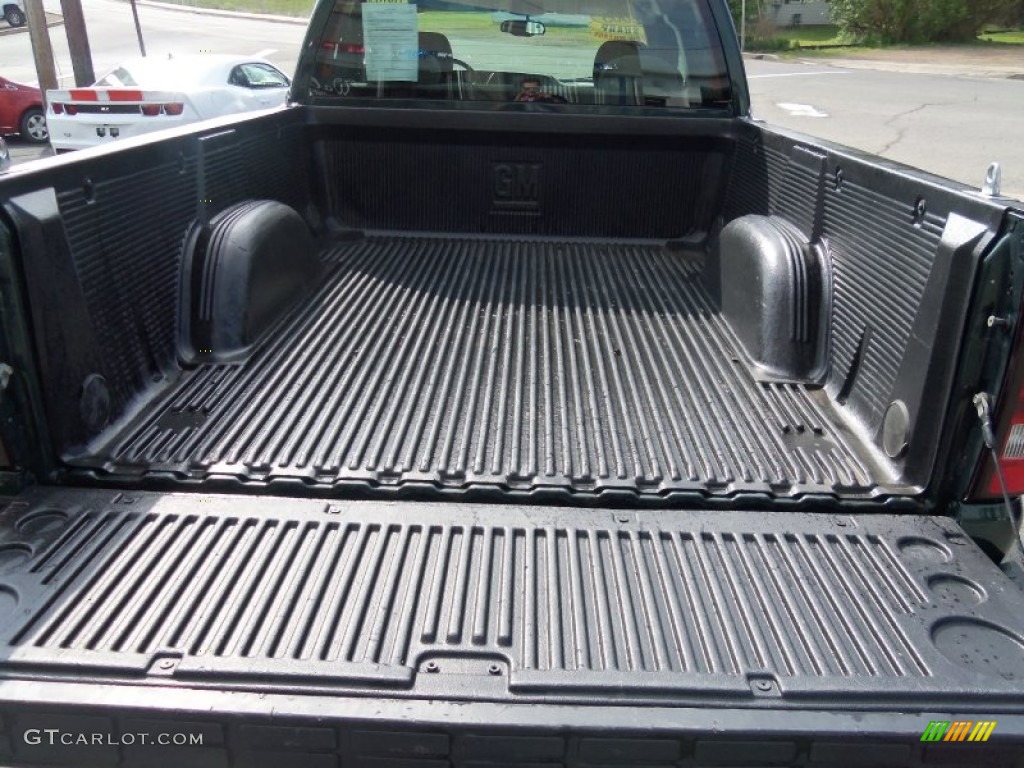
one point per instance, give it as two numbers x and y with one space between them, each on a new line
680 637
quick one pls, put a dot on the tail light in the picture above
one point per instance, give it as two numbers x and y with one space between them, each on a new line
1009 437
152 110
1003 427
58 108
1011 450
353 49
71 109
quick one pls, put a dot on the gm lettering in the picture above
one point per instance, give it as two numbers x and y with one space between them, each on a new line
516 185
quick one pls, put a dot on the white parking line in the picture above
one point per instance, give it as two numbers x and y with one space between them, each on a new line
797 74
264 53
801 110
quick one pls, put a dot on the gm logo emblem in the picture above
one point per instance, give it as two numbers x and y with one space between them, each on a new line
516 187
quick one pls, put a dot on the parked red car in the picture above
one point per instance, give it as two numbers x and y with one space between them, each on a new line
21 111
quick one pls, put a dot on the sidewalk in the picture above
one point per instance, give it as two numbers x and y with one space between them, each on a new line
299 20
994 61
991 61
52 20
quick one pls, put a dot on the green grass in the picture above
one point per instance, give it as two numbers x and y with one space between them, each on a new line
471 24
785 39
795 38
789 40
481 26
809 38
438 21
1008 38
298 8
827 34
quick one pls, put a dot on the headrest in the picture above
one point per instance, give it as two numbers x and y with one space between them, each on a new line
435 46
617 58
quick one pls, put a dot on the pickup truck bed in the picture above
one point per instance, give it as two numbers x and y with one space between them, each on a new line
544 364
713 559
491 347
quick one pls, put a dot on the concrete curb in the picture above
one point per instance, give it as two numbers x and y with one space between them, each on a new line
226 14
942 69
52 20
949 67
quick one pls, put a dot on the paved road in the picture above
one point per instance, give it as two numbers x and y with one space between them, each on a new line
952 126
112 38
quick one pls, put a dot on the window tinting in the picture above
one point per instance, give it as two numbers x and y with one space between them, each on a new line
624 53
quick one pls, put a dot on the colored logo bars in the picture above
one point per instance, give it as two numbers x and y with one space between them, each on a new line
958 730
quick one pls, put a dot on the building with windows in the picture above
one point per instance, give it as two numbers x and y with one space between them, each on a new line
793 13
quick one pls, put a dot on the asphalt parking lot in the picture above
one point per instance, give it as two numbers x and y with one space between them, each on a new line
947 112
22 151
952 125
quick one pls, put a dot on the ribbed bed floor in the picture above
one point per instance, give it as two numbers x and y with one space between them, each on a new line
479 363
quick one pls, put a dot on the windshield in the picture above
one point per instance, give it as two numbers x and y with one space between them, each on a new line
566 53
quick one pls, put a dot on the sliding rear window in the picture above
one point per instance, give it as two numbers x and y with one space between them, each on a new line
554 54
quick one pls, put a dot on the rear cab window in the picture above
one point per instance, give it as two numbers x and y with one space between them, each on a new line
562 54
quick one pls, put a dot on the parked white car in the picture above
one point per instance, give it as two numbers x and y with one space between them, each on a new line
149 94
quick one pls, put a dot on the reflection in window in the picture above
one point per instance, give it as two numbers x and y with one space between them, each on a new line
622 53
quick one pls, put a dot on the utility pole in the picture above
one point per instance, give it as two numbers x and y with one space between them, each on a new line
743 26
138 29
42 51
78 42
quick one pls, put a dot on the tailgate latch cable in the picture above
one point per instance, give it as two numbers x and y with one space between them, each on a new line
983 403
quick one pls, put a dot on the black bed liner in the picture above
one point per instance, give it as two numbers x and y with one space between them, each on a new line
511 364
662 626
490 602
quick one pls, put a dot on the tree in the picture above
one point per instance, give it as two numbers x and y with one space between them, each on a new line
755 10
918 21
1013 16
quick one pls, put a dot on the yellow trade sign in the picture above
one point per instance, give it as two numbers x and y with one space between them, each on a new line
617 28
